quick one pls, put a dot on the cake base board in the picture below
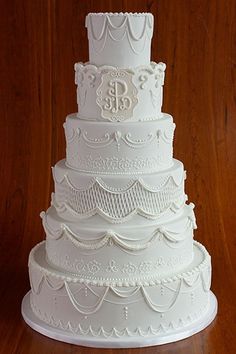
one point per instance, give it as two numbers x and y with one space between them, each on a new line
68 337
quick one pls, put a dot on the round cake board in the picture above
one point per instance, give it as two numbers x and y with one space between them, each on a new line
68 337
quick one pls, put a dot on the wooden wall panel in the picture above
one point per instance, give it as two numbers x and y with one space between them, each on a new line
40 42
25 135
26 111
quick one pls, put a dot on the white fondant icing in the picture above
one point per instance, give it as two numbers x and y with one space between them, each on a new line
117 95
149 196
143 254
135 227
119 236
140 89
119 148
77 298
121 40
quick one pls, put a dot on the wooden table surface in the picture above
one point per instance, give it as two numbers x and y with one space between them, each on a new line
40 42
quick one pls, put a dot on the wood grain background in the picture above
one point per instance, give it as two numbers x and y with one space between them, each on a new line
40 42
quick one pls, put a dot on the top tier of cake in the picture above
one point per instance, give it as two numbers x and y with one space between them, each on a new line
119 39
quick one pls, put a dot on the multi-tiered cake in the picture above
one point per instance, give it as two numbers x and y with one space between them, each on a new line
119 266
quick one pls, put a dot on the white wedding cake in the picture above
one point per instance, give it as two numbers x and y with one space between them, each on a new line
119 267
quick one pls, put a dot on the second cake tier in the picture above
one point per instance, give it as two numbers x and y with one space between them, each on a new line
137 251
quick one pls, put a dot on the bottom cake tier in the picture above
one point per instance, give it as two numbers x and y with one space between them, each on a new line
111 314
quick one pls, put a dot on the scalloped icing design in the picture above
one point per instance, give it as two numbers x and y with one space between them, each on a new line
109 34
119 148
175 177
65 208
89 331
84 302
150 275
117 137
111 254
114 31
110 238
109 202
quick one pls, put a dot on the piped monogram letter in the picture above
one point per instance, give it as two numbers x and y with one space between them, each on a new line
117 95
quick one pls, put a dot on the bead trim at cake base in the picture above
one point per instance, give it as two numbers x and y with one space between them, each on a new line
68 337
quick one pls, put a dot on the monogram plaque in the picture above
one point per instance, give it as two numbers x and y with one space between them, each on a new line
117 95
